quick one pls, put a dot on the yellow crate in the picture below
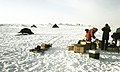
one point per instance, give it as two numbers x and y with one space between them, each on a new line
79 48
82 50
70 48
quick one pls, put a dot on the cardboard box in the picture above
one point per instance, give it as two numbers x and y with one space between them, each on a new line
94 54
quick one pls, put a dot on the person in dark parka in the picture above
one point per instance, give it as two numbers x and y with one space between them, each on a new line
116 35
105 36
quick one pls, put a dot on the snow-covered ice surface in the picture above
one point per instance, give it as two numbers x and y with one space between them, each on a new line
15 55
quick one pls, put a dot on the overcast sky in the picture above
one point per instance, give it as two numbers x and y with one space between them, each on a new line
60 11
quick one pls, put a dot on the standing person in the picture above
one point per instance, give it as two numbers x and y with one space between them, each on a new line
116 35
105 36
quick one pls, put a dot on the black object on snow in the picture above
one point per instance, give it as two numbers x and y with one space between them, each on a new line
55 26
116 35
34 26
25 31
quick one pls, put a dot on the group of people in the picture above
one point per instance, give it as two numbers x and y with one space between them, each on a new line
105 37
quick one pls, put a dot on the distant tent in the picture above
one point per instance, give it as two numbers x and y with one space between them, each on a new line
55 26
26 31
34 26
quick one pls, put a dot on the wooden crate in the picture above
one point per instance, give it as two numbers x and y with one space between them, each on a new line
82 49
79 48
70 48
76 48
94 54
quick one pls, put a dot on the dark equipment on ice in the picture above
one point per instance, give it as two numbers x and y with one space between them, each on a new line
41 48
26 31
116 36
34 26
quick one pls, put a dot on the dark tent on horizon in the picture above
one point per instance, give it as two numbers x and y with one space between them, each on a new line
25 31
34 26
55 26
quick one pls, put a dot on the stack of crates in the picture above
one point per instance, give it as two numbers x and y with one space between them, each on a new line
95 50
79 48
